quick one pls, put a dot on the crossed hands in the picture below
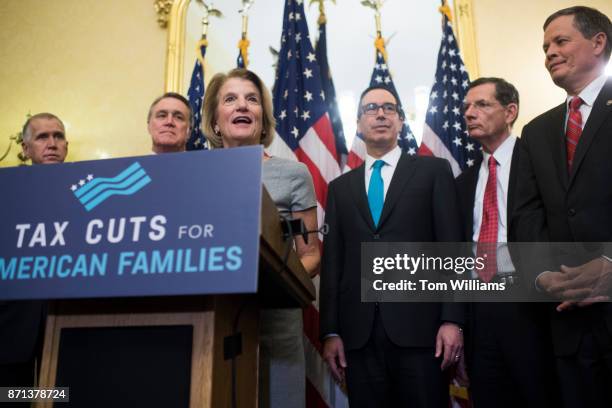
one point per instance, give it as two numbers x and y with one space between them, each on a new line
579 286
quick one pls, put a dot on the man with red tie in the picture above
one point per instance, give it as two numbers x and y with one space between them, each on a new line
564 194
502 339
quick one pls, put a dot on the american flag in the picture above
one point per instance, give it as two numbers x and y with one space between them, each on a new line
444 132
197 141
381 76
305 131
330 92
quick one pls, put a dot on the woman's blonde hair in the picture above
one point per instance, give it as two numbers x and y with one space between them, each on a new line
211 102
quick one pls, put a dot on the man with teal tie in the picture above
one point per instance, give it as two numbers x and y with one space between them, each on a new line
393 354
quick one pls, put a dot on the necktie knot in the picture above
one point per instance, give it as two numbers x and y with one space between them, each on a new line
575 103
378 164
492 162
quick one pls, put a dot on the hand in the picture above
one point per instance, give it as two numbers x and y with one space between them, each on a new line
450 342
572 304
333 354
592 281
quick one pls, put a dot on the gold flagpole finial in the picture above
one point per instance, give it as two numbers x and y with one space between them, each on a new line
379 42
209 11
322 18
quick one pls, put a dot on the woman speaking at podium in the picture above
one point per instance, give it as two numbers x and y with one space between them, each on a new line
238 112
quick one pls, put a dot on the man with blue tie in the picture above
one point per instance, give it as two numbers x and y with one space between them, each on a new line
393 354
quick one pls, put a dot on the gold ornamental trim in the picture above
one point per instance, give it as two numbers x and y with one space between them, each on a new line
162 8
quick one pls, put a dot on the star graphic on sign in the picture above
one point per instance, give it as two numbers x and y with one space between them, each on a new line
457 127
73 187
306 115
311 57
90 177
295 132
308 73
81 182
308 96
283 114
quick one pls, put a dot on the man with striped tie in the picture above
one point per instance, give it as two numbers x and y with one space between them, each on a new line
565 195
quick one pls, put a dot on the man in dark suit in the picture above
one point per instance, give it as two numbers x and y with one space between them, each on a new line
395 352
506 343
565 195
22 322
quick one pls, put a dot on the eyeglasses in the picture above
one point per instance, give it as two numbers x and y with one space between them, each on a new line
371 109
478 105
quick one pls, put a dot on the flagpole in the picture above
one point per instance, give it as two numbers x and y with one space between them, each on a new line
243 44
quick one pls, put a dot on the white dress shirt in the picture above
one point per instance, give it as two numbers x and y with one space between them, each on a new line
588 96
386 171
503 157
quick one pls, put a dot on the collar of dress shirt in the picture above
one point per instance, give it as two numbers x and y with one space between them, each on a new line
590 92
390 158
503 154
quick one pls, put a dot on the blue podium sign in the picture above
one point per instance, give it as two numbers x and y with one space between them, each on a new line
170 224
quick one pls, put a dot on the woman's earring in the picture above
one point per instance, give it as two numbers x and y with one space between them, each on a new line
216 129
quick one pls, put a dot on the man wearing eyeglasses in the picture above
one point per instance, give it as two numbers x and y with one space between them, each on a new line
502 338
393 354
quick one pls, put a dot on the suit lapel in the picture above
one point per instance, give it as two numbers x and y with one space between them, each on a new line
469 197
360 196
597 116
512 183
557 142
404 171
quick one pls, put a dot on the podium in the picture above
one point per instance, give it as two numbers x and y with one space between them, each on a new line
207 346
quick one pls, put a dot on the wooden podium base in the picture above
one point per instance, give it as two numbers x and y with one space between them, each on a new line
151 351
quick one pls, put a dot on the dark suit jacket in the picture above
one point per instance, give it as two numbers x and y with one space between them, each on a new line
420 206
554 206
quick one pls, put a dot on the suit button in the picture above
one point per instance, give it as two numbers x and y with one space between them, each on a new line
571 212
376 236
